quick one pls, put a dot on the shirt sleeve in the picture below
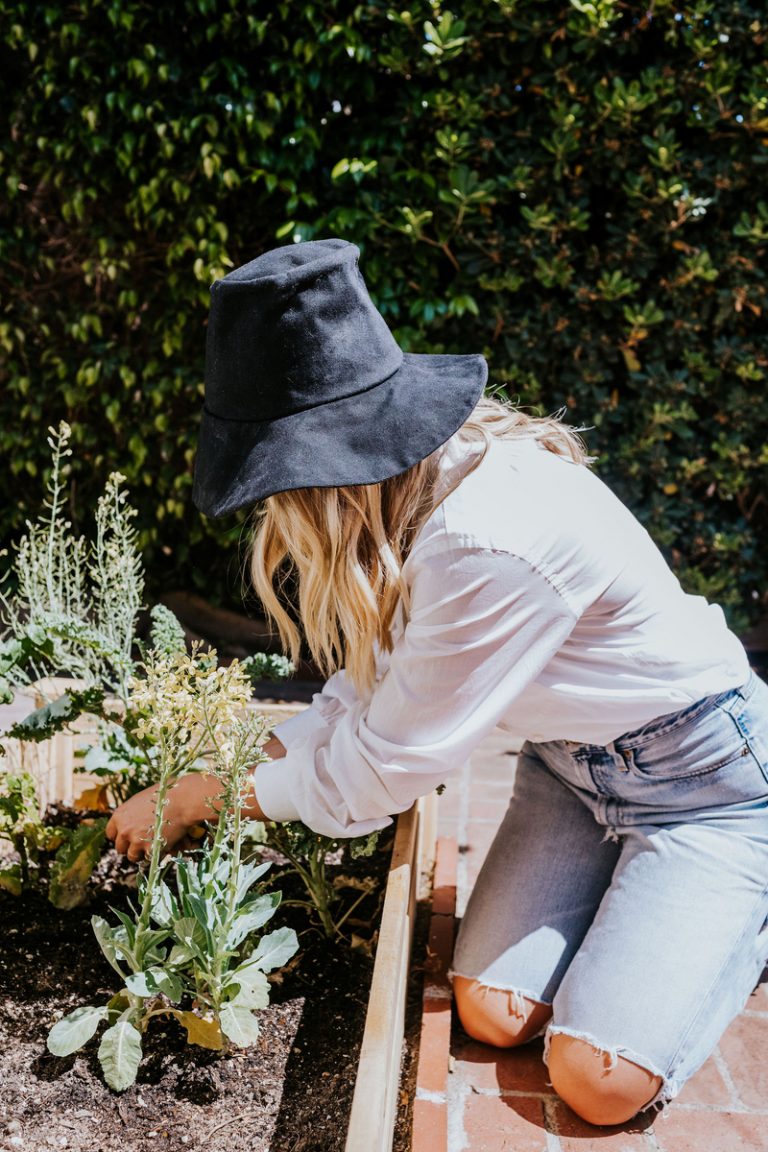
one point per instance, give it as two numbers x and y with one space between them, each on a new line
481 627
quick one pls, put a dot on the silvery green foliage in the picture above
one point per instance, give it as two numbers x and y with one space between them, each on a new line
261 666
81 597
166 634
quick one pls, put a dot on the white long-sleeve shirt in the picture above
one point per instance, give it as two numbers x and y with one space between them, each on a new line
537 603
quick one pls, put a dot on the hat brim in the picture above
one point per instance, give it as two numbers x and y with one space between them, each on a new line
360 439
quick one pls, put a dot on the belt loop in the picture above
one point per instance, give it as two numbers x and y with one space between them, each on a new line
746 689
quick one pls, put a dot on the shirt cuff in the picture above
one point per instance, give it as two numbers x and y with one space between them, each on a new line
272 787
299 727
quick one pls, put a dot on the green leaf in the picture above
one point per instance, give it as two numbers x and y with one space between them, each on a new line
120 1055
364 845
252 988
272 951
154 981
112 942
191 940
75 1030
252 917
51 718
10 880
74 863
165 907
239 1025
248 875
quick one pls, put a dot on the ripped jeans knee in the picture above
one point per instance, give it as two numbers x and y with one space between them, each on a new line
503 1017
603 1084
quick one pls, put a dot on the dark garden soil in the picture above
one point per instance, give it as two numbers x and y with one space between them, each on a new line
291 1092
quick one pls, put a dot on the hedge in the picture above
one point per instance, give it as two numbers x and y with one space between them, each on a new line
575 189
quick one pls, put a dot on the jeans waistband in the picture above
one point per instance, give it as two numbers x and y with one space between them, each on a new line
673 720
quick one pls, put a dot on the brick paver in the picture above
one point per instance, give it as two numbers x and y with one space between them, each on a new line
484 1100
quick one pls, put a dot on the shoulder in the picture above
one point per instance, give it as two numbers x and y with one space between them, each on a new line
524 501
516 497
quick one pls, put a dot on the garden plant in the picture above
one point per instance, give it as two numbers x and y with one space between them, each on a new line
189 952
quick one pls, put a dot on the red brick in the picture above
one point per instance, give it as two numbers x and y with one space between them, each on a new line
684 1131
430 1127
444 884
504 1124
446 859
744 1047
706 1087
516 1069
434 1046
578 1136
447 826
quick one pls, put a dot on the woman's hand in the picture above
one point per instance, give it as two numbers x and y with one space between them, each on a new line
190 801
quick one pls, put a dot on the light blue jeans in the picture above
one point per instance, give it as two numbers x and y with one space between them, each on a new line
628 885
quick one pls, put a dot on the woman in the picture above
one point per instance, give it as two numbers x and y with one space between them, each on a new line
466 568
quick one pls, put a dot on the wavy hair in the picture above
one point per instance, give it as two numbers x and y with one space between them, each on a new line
344 548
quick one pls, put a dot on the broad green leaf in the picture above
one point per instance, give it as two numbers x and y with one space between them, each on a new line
239 1025
112 942
202 910
120 1055
272 951
117 1006
54 716
10 880
252 917
153 981
75 1030
190 935
165 907
180 955
252 988
73 865
248 875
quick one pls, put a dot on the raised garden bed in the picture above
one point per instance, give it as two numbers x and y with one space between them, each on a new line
322 1042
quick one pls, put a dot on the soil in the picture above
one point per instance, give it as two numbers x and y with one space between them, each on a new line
291 1092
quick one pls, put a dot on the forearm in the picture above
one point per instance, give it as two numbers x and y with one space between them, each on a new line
199 794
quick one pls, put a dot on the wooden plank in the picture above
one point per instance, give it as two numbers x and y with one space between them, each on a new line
374 1104
276 713
427 846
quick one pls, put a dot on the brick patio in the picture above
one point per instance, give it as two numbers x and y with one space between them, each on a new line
482 1100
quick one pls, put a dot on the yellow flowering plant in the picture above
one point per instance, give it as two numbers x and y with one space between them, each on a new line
188 950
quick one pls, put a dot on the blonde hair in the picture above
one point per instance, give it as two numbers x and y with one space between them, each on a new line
345 547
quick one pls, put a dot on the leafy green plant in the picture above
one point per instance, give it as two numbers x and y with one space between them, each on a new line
516 174
73 610
22 827
308 854
74 607
61 859
189 953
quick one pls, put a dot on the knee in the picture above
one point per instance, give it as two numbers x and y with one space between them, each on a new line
599 1088
493 1016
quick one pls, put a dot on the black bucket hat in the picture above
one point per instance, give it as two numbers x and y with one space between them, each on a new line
305 386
